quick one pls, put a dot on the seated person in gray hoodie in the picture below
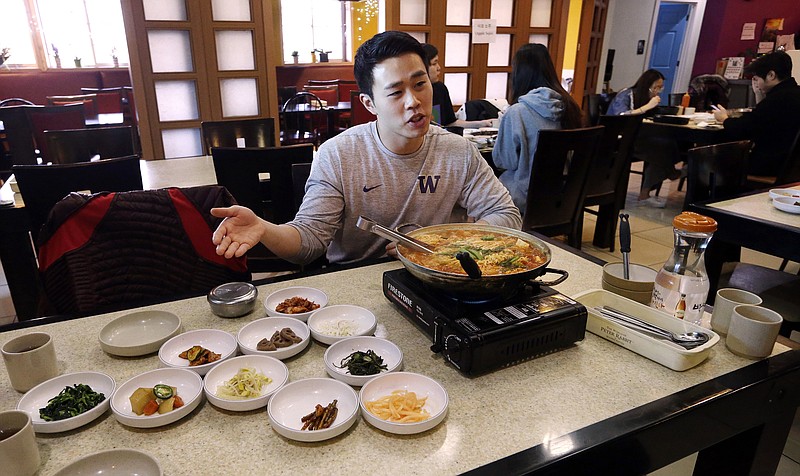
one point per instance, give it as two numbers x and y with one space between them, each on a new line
538 102
397 169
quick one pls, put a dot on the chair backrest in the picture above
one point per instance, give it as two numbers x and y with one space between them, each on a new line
300 173
613 157
110 251
285 93
360 115
558 179
42 186
238 170
15 102
81 145
790 169
597 105
258 132
345 87
717 171
54 118
299 125
89 102
19 137
329 94
115 100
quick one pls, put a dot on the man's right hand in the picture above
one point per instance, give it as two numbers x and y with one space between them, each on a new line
240 230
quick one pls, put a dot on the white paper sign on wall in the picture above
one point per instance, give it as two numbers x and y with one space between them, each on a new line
484 30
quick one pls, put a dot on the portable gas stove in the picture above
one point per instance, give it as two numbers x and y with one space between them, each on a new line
480 336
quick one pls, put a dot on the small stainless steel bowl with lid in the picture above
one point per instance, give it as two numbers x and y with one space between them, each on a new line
233 299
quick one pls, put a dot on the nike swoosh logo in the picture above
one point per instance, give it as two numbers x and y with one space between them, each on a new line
367 189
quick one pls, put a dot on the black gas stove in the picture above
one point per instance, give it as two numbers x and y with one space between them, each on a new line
480 336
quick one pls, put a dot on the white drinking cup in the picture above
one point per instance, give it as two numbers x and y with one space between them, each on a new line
753 331
18 450
726 300
30 360
688 111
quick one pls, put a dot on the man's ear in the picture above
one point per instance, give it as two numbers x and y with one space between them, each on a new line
368 103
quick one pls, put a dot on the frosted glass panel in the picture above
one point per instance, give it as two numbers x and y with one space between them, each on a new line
540 13
170 51
499 51
413 12
457 49
177 100
235 50
230 10
459 12
419 36
457 84
496 85
172 10
539 38
239 97
503 12
181 143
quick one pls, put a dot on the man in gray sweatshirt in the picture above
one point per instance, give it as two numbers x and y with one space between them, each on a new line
395 170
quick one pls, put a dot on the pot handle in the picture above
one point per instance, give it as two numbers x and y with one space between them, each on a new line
559 280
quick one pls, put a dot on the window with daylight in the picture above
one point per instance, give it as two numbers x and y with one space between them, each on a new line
315 25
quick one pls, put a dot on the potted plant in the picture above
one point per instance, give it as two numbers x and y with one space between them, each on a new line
5 53
55 55
296 57
114 57
77 62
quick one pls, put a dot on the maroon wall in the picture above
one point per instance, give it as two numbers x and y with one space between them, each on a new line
35 85
291 75
722 28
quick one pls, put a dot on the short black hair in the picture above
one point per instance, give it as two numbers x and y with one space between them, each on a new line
389 44
777 61
430 53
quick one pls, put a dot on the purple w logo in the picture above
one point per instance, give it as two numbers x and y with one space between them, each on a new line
428 183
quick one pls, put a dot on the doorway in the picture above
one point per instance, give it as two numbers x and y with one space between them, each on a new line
668 37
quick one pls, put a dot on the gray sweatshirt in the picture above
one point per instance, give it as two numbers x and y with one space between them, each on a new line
353 174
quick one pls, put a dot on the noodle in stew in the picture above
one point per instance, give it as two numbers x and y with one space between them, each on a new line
495 253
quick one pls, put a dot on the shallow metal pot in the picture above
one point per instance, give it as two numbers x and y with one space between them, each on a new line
463 286
233 299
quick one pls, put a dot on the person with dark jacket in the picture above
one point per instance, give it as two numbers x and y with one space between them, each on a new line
775 122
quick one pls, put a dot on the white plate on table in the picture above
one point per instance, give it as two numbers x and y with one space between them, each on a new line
784 192
121 461
250 335
291 402
38 396
215 340
787 204
311 294
348 320
190 389
270 367
391 354
436 402
139 333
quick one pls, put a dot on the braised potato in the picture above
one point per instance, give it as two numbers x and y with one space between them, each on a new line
141 397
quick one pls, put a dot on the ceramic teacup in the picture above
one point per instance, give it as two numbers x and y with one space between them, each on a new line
30 360
726 300
752 331
18 450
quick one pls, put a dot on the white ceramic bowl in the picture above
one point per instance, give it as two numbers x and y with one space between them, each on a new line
297 399
269 366
38 396
784 192
423 386
214 340
312 294
139 333
363 322
250 335
190 389
787 204
118 461
391 354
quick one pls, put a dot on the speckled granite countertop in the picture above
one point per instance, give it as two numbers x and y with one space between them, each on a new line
490 417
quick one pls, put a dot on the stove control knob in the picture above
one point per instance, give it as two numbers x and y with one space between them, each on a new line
452 348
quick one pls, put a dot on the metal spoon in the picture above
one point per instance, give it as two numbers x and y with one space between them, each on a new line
688 340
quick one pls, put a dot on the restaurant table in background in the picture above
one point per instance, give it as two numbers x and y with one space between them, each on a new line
104 119
749 221
331 113
687 133
16 250
593 407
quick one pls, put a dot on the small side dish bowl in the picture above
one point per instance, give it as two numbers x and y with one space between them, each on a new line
190 389
250 335
232 299
293 401
391 354
38 396
270 367
787 204
784 192
217 341
116 461
139 333
312 294
334 323
423 386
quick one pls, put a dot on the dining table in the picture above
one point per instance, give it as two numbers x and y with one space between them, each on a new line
331 112
592 407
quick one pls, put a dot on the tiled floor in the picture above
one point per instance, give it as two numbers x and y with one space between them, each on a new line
651 245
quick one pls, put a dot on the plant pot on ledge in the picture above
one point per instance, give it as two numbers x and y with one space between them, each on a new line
77 62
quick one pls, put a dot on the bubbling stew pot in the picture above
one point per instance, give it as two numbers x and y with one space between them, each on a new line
486 286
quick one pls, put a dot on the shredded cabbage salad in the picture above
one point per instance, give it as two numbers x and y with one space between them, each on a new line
247 383
339 328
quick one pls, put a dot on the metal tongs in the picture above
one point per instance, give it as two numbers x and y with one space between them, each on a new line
368 225
625 244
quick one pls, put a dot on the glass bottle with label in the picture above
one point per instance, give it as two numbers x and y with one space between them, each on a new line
681 286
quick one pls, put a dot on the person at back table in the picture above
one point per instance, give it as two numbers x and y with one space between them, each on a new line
658 153
775 121
395 170
441 95
538 102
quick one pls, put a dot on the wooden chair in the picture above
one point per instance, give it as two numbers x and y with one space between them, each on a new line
238 170
608 182
88 100
558 181
42 186
81 145
254 132
359 114
329 94
25 126
300 173
301 120
15 102
717 172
